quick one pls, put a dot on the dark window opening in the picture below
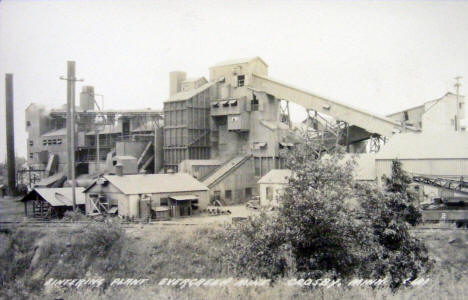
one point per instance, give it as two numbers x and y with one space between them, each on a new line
31 143
248 193
28 123
257 171
114 163
240 80
31 155
217 195
406 116
164 201
254 103
228 195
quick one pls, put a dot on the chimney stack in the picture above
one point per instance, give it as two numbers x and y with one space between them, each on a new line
10 134
119 169
175 81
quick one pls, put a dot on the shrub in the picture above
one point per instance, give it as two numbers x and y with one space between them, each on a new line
327 225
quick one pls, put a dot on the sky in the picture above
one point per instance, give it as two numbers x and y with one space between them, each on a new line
379 56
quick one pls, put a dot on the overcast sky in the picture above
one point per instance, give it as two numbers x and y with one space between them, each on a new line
380 56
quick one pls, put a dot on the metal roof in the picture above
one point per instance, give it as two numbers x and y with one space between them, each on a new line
238 61
189 94
426 145
154 183
58 196
184 197
276 176
50 180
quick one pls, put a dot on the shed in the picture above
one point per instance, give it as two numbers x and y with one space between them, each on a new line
180 193
51 202
271 185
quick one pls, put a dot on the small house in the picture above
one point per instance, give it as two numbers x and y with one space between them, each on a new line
147 195
271 185
52 202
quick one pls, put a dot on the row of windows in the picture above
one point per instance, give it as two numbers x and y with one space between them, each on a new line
51 142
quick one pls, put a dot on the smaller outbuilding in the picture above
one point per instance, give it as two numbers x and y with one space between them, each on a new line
52 202
157 196
271 185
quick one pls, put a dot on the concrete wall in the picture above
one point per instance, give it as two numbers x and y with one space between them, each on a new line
230 72
414 116
37 123
440 114
276 190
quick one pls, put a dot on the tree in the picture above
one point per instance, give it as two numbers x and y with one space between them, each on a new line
327 225
403 199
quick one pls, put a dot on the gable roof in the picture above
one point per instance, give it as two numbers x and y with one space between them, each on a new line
154 183
239 61
58 196
426 145
276 176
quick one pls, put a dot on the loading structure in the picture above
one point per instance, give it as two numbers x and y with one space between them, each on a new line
241 114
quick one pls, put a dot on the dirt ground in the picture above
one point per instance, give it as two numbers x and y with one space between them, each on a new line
11 209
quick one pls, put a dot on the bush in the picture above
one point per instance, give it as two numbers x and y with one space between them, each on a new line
327 225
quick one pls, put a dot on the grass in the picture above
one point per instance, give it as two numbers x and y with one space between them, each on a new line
30 256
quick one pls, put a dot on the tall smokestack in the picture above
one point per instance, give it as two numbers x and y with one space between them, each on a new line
10 134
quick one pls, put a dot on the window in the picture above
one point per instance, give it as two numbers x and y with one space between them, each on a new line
240 80
31 155
217 195
254 103
228 195
54 141
31 143
59 141
28 123
248 193
44 142
164 201
406 116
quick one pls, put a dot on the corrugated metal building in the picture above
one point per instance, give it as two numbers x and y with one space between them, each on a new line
426 153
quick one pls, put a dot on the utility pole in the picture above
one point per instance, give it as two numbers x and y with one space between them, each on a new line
71 125
10 134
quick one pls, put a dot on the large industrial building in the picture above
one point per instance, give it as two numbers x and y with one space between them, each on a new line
100 137
237 122
226 131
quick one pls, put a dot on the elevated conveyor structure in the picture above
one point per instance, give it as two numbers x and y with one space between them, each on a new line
372 123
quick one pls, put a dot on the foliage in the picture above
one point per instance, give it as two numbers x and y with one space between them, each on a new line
403 198
327 225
